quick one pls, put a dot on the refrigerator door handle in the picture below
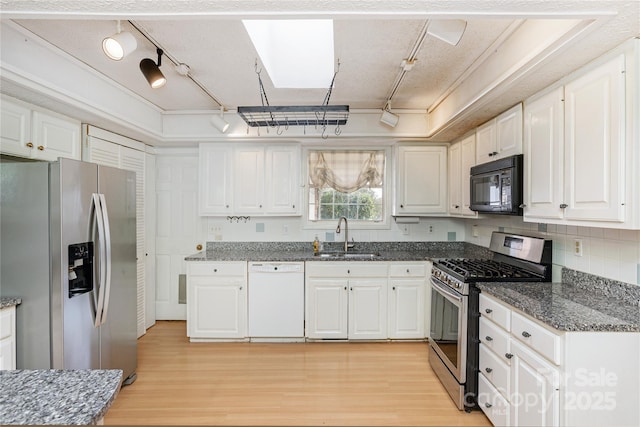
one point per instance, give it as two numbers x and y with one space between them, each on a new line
99 220
107 265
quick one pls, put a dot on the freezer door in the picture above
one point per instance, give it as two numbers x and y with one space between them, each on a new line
75 339
118 331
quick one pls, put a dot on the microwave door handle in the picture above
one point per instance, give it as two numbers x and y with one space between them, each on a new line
448 294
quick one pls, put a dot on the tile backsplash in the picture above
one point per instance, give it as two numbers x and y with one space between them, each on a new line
605 252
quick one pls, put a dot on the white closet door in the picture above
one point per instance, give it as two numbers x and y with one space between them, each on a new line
102 152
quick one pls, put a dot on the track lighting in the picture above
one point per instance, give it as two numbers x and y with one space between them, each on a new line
119 45
219 122
151 71
388 118
447 30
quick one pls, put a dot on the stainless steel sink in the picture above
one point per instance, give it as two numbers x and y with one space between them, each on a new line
349 255
361 256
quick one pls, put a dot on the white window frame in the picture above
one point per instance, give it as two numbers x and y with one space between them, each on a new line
384 223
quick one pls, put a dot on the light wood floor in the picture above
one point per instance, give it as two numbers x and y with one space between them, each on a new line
371 384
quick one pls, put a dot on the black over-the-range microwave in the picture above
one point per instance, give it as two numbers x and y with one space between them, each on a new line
496 187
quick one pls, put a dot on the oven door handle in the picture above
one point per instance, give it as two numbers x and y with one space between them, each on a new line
452 296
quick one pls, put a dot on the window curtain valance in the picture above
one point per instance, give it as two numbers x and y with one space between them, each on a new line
346 171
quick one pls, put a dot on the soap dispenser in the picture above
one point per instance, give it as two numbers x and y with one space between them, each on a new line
316 246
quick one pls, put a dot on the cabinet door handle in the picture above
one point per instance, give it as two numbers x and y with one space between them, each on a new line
29 144
488 311
408 271
240 287
260 206
199 247
522 206
345 288
488 405
488 370
350 289
294 206
402 206
394 288
564 206
215 270
41 147
488 338
508 355
348 271
526 334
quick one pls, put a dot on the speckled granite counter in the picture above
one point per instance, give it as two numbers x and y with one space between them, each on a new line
57 397
582 302
301 251
9 302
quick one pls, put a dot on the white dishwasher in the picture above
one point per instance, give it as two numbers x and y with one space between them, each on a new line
276 301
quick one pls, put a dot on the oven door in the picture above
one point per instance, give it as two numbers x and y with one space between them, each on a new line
448 335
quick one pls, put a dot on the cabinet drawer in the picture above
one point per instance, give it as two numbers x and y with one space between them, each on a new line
495 311
407 270
537 337
347 269
495 338
6 322
217 268
496 370
495 407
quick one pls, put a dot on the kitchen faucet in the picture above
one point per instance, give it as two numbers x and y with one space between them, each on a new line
346 232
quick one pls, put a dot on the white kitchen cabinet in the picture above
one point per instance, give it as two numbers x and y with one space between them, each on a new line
500 137
215 164
462 156
249 180
8 338
533 375
216 301
36 133
406 300
346 300
581 166
421 181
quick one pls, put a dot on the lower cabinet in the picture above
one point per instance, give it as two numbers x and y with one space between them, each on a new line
534 375
8 338
406 300
216 300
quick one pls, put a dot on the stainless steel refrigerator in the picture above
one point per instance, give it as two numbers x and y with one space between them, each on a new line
68 249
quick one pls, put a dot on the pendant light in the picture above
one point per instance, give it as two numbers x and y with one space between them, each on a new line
219 122
151 71
119 45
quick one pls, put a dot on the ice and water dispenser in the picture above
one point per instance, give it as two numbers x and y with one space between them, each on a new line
80 268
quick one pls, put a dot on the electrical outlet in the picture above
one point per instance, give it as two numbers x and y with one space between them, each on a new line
474 231
430 228
577 249
217 232
405 229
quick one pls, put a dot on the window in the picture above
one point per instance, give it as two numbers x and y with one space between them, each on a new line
346 183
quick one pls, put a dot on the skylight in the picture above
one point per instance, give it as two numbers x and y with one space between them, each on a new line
295 53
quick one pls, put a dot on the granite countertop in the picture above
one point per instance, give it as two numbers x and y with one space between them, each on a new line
57 397
570 306
302 251
9 302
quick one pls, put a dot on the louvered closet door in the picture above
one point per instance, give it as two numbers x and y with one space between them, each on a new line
102 152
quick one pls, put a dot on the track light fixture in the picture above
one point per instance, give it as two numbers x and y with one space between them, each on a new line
119 45
219 122
387 117
151 71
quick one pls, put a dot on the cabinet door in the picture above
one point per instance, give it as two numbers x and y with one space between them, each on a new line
455 185
248 181
15 129
406 308
217 307
594 144
8 338
544 156
367 308
215 190
467 160
326 308
282 180
422 180
486 142
509 132
54 137
535 388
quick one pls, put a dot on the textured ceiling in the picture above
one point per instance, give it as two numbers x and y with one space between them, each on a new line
371 40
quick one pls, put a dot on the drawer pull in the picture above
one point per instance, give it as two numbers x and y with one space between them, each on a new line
215 270
488 405
394 288
526 334
488 370
488 338
29 144
508 355
488 311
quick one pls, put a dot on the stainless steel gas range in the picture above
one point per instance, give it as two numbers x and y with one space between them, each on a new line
453 339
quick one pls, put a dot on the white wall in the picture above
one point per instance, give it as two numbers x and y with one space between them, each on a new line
606 252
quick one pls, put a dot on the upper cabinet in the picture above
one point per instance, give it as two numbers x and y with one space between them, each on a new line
581 148
500 137
249 180
37 134
421 180
462 156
